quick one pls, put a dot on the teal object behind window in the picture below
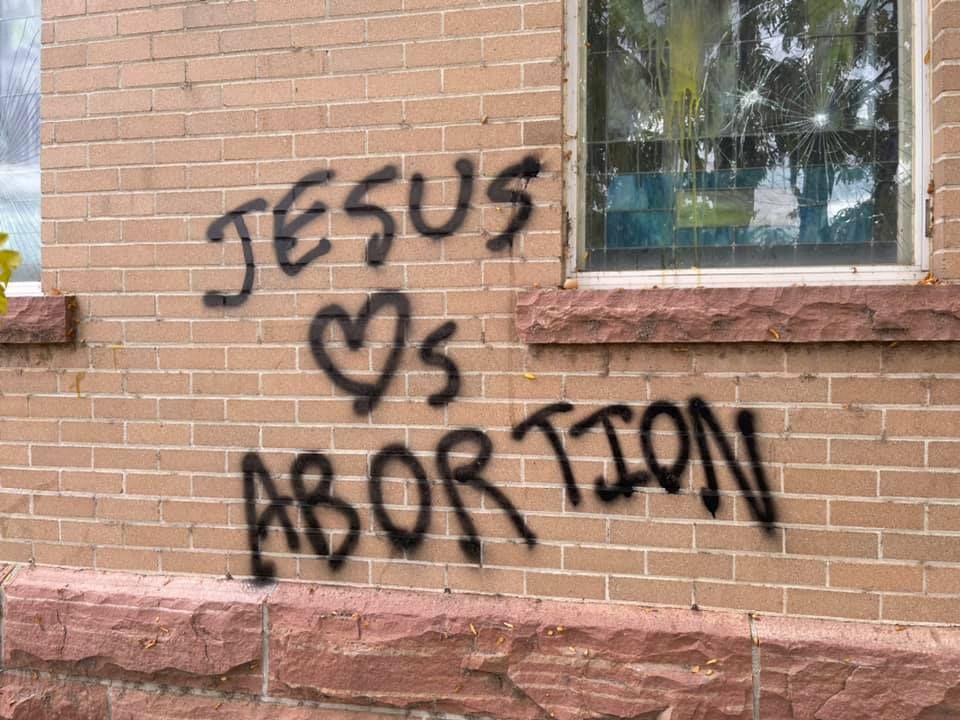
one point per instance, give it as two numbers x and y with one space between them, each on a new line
20 132
728 133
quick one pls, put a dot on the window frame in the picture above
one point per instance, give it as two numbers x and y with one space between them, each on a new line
575 110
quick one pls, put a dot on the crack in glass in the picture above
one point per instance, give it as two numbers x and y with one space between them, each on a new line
733 133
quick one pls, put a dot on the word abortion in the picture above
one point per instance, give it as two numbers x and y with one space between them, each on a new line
455 472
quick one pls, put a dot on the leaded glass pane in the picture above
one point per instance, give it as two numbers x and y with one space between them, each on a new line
731 133
20 131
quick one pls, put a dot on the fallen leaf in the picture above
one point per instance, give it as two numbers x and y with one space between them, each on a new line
530 376
695 669
714 661
773 331
147 644
473 629
708 673
508 625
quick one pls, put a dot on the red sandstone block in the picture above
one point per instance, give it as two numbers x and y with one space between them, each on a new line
504 657
136 705
32 698
855 671
192 632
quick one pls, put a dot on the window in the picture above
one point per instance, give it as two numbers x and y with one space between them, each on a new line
742 142
20 137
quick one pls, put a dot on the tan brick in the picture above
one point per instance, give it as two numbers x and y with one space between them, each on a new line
862 391
650 591
603 559
150 21
780 570
876 576
115 558
405 84
542 74
156 536
877 515
407 27
855 605
63 555
830 481
86 79
911 609
363 7
351 115
529 46
942 579
185 44
828 543
128 509
755 598
63 8
85 28
844 421
266 92
263 39
585 587
222 68
407 574
194 512
329 32
486 20
219 14
893 453
543 15
444 53
380 57
693 565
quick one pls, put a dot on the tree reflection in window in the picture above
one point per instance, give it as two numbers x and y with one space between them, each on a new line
20 131
725 133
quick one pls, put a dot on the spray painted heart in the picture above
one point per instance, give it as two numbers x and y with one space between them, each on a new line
366 394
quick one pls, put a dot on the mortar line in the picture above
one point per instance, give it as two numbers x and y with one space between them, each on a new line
755 665
264 649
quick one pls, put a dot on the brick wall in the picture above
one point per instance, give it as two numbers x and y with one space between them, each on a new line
127 450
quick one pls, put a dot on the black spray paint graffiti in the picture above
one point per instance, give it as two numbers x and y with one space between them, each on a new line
706 427
285 231
267 508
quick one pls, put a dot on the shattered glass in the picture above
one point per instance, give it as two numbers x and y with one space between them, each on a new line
20 132
736 133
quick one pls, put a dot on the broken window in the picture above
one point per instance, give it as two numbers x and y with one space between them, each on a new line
20 132
747 134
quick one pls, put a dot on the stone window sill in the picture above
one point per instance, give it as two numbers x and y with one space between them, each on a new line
46 319
800 314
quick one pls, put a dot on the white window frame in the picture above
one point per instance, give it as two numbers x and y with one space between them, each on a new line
575 110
